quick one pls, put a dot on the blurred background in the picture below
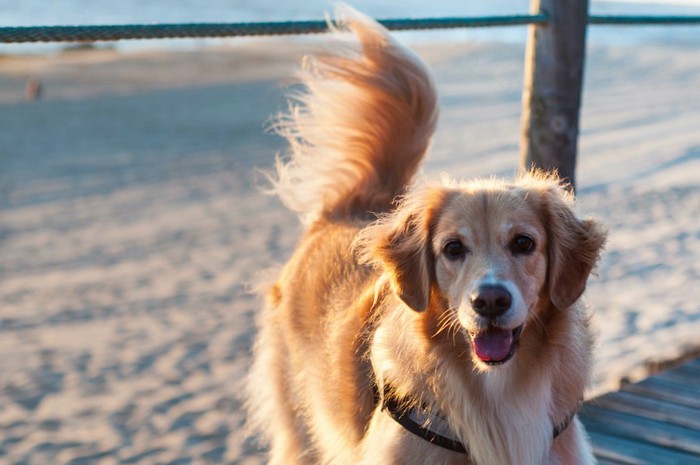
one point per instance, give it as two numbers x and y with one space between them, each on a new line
133 228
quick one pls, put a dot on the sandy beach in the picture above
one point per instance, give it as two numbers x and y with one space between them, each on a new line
132 229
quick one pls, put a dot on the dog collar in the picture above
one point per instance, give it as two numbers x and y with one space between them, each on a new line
422 422
433 427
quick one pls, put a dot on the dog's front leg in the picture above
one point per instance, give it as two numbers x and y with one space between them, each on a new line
383 441
572 447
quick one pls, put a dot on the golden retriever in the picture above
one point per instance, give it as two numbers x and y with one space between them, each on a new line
447 331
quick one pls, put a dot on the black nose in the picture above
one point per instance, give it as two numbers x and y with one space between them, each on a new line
491 301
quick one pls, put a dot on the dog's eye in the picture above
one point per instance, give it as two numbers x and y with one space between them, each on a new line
522 244
454 250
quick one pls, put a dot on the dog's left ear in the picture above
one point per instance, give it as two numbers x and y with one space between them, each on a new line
574 247
399 244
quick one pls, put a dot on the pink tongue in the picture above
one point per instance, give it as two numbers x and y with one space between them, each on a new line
493 345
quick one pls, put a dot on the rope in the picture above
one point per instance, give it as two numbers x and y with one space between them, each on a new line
643 20
198 30
201 30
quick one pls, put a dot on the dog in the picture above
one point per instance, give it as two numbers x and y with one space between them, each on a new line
416 322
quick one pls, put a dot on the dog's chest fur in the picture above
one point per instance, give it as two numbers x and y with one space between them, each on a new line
502 417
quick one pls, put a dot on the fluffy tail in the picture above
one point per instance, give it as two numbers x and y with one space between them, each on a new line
361 127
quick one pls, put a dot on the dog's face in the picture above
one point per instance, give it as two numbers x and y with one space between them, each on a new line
490 254
496 253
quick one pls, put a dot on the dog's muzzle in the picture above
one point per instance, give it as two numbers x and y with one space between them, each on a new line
494 344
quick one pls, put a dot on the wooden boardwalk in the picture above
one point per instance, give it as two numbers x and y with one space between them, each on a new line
655 421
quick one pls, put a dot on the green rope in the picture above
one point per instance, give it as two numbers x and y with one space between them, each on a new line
643 20
168 31
201 30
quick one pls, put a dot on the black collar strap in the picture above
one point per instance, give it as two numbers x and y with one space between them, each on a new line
561 427
418 421
434 428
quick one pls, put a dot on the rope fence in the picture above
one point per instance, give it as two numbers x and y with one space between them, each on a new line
31 34
610 20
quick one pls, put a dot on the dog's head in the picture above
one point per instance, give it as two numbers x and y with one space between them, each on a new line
496 253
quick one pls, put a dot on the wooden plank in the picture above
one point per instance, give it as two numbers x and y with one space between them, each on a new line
631 452
663 389
651 408
640 429
695 363
554 61
690 369
655 421
602 460
682 376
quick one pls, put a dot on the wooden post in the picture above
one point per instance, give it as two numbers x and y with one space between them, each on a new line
554 61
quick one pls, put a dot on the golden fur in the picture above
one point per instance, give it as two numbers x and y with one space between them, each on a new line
366 303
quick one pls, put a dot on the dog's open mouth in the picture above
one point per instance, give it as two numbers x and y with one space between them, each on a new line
494 345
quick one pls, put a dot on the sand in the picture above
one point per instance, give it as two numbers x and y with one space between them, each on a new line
132 229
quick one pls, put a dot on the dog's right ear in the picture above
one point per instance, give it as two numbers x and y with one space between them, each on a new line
399 244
